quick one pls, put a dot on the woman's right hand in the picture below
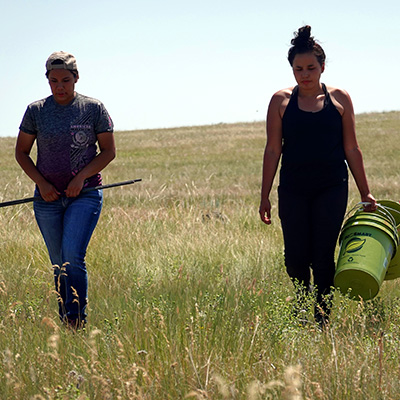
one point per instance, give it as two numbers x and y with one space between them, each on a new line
48 192
265 211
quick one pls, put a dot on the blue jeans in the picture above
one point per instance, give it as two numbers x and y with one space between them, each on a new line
67 225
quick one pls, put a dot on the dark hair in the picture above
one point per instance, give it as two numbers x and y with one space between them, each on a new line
302 43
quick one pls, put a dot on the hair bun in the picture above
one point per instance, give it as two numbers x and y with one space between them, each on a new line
303 42
303 38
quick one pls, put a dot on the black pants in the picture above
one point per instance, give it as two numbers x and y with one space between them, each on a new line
311 222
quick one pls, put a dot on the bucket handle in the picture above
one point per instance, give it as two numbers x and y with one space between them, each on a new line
388 213
383 209
391 209
356 207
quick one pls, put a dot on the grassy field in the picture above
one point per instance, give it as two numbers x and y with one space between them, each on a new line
188 296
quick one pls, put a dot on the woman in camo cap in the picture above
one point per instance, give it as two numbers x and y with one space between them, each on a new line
75 141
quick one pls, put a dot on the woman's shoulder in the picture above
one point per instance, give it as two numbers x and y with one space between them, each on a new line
40 103
45 105
87 99
340 98
338 93
283 94
280 100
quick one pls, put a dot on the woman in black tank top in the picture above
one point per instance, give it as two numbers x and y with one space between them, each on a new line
313 128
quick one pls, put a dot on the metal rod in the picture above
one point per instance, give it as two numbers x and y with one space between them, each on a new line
85 190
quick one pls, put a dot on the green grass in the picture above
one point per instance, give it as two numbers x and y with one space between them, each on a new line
188 295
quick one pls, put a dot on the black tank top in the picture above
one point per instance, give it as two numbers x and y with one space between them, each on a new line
312 146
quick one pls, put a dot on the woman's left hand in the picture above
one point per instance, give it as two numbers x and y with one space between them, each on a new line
107 153
371 200
75 187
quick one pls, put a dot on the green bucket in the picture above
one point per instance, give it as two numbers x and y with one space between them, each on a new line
393 207
368 241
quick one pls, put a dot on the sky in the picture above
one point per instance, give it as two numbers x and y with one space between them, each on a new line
170 63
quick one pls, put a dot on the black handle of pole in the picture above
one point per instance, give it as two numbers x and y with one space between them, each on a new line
85 190
110 185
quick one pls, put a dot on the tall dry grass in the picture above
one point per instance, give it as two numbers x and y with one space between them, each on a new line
188 293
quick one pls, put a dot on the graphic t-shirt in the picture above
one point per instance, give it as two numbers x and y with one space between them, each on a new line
66 137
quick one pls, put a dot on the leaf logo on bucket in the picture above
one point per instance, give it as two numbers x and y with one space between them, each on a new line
354 245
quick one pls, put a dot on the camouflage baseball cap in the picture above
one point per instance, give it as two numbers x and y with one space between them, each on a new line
61 60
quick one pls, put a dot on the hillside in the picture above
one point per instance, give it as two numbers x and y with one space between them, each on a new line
188 295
